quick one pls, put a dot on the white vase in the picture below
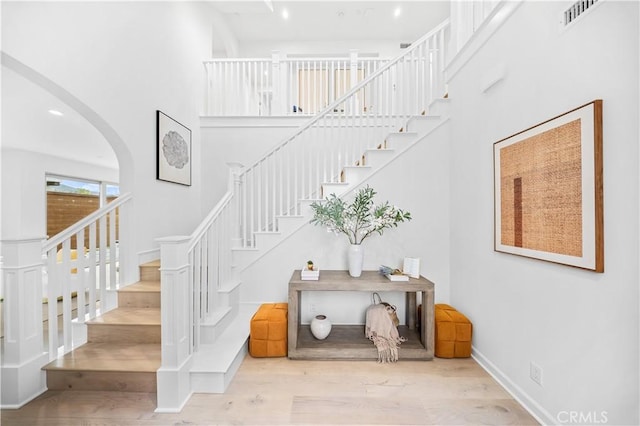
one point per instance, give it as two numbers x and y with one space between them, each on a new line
320 327
355 257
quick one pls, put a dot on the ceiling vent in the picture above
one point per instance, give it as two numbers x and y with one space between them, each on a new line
577 9
404 45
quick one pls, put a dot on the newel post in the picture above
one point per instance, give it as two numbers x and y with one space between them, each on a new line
24 356
176 306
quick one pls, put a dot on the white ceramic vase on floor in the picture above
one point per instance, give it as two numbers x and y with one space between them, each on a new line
320 327
355 258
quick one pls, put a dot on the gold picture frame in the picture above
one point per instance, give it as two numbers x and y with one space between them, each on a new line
548 188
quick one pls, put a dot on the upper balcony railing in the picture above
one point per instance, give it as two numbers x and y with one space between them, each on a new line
282 85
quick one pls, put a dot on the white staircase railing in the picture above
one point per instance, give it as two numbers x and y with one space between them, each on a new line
37 273
194 269
84 273
339 136
281 86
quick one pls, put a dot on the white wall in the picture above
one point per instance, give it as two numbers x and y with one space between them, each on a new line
24 192
580 327
124 61
242 140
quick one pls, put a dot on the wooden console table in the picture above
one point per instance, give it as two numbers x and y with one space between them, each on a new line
349 341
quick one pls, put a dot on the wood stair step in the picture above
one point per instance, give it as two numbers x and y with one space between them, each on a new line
106 366
143 294
150 271
126 325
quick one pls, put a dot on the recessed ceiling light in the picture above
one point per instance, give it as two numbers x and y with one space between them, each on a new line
397 12
55 112
285 14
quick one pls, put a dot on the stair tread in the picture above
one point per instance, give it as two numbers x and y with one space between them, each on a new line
140 357
218 356
129 316
357 167
142 286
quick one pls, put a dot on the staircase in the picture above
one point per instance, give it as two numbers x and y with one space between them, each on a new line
123 351
352 176
335 151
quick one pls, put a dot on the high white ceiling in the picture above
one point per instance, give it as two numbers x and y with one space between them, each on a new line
28 125
331 20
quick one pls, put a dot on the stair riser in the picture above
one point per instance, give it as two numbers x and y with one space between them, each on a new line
210 332
354 175
289 224
334 188
230 298
218 382
149 272
139 300
400 140
132 333
125 381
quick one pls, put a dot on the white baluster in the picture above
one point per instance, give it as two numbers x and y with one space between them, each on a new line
92 272
80 275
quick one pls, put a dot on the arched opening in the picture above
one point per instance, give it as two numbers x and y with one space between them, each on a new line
83 140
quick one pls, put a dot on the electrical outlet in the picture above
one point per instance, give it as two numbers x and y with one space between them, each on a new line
535 372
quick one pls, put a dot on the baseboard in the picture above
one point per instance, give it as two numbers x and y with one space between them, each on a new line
536 410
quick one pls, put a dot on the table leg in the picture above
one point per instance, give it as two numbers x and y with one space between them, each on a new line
293 321
410 313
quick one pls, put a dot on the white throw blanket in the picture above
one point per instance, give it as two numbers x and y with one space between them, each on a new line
380 329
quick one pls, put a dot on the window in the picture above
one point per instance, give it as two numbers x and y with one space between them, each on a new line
72 199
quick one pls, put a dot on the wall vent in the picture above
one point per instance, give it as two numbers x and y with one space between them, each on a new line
577 9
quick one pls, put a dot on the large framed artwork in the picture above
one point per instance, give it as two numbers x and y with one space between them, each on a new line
173 150
548 190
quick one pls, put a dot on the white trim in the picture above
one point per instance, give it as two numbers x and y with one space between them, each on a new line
148 256
486 30
527 402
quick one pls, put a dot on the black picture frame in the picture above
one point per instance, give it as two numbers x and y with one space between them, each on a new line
173 150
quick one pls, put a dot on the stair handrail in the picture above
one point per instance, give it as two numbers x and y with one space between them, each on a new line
198 233
82 223
353 90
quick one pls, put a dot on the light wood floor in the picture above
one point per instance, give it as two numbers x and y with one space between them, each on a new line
278 391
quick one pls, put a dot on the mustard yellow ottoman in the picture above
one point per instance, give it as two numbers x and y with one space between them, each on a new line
453 333
268 332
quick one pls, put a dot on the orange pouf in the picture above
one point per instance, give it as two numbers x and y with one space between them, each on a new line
453 333
268 333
